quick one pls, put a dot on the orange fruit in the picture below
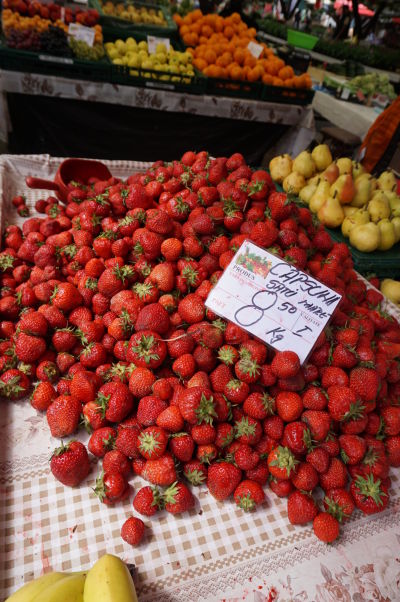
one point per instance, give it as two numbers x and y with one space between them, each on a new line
286 72
254 74
206 31
228 32
267 79
239 56
184 29
196 14
200 64
250 60
210 56
277 81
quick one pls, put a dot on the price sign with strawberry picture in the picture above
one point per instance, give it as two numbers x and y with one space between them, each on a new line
273 300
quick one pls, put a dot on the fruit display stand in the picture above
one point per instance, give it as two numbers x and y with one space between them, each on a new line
213 552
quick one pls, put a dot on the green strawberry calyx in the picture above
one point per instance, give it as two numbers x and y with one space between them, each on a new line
149 444
370 488
285 460
246 502
206 410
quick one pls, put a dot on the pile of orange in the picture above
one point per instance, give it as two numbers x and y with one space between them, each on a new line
219 49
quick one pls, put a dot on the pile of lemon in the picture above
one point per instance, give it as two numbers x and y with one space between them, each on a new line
168 65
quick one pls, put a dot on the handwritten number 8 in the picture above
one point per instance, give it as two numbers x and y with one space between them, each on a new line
260 303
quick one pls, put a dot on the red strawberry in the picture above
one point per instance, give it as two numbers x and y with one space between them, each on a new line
14 384
43 395
370 494
29 348
178 498
222 479
149 409
343 403
305 477
297 437
197 405
63 415
160 471
110 487
301 508
352 448
319 459
141 382
339 503
393 450
146 349
115 401
391 420
285 364
364 381
282 463
191 308
245 457
326 527
195 472
148 501
70 463
335 477
102 440
315 398
66 297
182 446
153 317
248 494
289 405
132 531
115 461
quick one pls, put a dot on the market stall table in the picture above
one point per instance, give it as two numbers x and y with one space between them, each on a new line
161 101
356 119
214 552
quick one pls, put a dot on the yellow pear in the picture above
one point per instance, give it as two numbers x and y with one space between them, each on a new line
396 226
280 167
391 289
344 189
394 203
322 156
378 207
388 236
358 169
306 193
304 164
366 237
315 179
345 165
320 196
363 192
331 213
331 173
293 183
387 181
355 219
349 210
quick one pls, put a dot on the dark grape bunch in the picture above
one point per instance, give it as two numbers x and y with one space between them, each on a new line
54 41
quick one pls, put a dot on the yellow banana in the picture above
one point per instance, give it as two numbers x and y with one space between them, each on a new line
28 591
69 589
109 581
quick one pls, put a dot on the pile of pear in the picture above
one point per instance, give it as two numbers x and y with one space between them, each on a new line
342 193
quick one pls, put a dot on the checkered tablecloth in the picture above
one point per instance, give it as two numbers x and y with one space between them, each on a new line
215 552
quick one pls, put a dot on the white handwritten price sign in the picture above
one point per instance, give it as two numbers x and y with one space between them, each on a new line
255 49
153 41
82 33
273 300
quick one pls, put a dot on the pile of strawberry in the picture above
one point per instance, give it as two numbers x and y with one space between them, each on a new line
102 303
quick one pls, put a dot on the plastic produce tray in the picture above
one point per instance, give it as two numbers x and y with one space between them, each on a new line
39 62
217 86
123 27
293 96
385 264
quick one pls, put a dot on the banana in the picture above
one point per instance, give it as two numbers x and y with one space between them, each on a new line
109 581
28 591
69 589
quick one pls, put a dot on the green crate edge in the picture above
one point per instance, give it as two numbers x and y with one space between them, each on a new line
124 27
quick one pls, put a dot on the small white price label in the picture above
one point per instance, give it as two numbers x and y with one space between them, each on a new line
152 42
273 300
81 33
345 94
255 49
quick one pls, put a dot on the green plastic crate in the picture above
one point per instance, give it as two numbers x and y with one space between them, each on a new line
300 39
122 27
217 86
385 264
294 96
13 59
